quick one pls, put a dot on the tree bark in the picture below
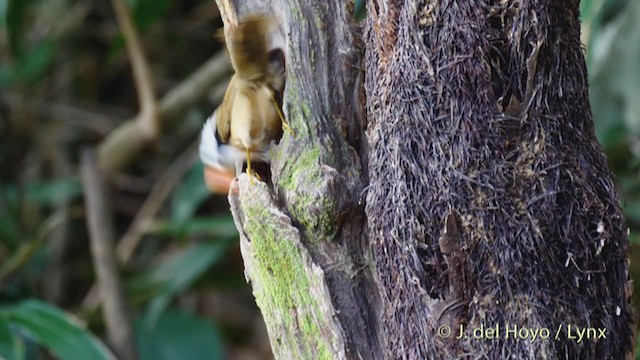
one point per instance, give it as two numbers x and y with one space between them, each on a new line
489 203
303 238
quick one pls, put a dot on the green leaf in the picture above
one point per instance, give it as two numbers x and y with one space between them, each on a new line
4 7
14 17
632 212
57 330
190 194
46 192
162 282
11 347
148 12
31 67
9 230
178 335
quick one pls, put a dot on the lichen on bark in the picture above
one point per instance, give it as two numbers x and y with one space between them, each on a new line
302 236
287 286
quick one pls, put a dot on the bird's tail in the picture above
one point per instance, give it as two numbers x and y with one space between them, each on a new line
248 47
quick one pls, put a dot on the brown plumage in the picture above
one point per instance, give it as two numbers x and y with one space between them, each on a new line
249 117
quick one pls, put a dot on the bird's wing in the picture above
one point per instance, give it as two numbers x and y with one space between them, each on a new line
223 113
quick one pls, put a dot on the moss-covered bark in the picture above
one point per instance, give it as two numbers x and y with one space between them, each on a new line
489 202
303 235
289 288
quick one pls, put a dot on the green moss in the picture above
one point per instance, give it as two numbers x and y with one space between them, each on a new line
302 176
308 325
307 163
311 206
294 116
284 286
306 112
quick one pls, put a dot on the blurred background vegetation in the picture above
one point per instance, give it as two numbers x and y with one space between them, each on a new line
66 83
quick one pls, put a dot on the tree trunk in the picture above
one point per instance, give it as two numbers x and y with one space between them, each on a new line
489 204
303 238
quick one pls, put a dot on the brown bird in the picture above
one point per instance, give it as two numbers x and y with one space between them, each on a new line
249 117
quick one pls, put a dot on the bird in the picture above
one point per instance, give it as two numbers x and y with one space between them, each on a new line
249 117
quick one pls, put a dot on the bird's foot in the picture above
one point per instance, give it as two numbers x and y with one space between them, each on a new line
285 125
288 128
253 176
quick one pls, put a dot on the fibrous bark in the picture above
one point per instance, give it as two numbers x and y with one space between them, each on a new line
490 202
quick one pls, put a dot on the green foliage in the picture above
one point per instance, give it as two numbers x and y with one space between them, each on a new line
148 12
29 68
14 17
9 229
44 192
29 59
189 195
11 347
4 7
36 194
51 327
163 282
612 35
43 229
178 335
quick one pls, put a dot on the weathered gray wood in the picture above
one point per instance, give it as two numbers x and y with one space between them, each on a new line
489 202
304 239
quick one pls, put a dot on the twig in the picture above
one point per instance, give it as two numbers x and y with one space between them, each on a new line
54 287
159 193
148 117
194 87
92 120
101 236
125 142
26 252
215 72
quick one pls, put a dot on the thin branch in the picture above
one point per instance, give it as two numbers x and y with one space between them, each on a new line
148 117
101 236
152 205
26 252
191 90
158 195
213 73
90 119
126 141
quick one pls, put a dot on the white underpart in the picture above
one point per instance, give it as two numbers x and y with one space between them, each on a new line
222 156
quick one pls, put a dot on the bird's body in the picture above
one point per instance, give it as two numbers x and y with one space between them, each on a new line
255 121
249 117
223 156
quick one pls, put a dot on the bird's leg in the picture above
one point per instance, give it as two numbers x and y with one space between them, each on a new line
249 166
252 174
285 125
